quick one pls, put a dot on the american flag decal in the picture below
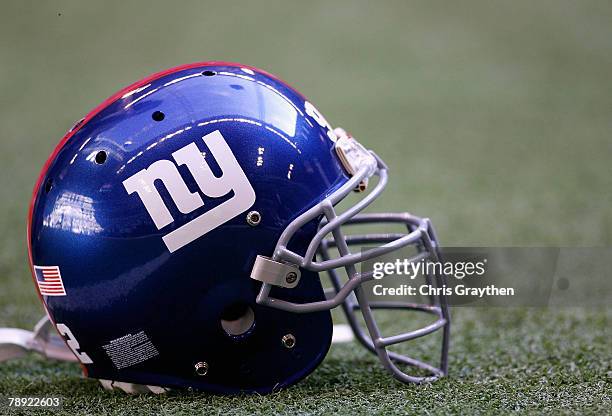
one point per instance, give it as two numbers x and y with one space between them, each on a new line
49 280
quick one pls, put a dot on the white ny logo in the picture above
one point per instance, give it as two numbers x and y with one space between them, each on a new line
232 179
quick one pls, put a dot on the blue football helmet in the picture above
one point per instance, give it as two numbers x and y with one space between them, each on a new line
177 233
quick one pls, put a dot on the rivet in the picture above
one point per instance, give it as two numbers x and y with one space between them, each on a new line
291 277
288 341
253 218
201 368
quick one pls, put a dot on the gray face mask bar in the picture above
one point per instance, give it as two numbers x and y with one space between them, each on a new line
283 268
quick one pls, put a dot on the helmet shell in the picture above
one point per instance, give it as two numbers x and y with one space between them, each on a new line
144 313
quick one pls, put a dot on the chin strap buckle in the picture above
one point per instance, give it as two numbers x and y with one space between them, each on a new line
275 273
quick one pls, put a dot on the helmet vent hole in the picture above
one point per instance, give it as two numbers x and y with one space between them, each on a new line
209 73
158 116
100 157
48 185
237 319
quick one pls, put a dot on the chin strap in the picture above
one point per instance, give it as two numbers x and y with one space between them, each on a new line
15 342
44 340
132 388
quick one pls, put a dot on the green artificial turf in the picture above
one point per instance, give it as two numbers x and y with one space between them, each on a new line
495 118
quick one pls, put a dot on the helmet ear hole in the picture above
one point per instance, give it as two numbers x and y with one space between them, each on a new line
237 319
